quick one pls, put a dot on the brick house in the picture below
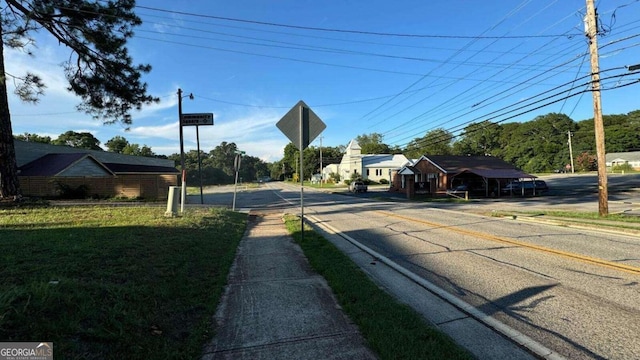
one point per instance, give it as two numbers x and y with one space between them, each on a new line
44 168
435 174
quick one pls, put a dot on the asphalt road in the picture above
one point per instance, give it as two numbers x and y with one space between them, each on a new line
574 291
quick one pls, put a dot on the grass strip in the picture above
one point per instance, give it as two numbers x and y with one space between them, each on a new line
391 329
587 216
114 282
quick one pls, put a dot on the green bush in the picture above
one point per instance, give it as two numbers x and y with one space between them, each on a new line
626 167
384 181
66 191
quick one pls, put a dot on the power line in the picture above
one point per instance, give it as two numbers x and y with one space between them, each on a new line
360 32
494 97
517 9
281 57
425 142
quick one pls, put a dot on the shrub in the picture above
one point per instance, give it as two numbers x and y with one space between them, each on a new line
66 191
626 167
384 181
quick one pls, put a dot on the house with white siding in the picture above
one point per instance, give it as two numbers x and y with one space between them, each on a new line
373 167
632 158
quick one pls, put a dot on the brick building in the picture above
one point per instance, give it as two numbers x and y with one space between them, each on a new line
43 169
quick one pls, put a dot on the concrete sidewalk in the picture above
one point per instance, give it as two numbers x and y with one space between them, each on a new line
276 307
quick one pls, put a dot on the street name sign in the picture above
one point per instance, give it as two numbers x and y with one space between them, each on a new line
301 125
197 119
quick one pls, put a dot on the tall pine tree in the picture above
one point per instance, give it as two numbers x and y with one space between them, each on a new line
99 70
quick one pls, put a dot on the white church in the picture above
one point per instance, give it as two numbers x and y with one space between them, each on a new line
373 167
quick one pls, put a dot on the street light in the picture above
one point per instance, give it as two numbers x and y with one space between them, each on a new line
183 185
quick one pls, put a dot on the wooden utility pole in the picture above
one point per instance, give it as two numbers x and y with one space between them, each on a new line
570 151
591 27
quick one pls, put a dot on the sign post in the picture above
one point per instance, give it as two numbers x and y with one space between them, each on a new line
195 119
301 125
236 167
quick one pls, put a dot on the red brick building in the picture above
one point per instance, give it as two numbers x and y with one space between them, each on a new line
434 174
44 169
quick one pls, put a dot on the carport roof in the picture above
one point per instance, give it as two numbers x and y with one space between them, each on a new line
499 173
486 166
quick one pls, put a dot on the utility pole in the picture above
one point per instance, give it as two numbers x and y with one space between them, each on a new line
183 175
591 27
321 169
183 172
570 150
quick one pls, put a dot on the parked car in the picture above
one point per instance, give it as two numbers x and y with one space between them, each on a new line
358 186
515 187
460 189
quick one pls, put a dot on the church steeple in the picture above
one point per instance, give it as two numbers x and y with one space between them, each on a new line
353 149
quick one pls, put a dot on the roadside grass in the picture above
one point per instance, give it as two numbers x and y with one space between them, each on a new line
391 329
578 215
619 222
108 282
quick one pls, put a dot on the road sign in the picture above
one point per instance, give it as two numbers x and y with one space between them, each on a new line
197 119
301 125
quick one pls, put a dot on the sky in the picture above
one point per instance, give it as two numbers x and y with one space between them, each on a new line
396 68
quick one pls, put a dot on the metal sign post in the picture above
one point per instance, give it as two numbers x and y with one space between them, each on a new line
195 119
236 165
301 125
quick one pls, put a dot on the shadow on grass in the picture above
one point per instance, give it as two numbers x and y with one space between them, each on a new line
109 291
391 329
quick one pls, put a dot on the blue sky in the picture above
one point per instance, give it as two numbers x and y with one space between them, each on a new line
398 68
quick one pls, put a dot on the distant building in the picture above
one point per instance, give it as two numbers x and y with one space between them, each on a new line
432 174
632 158
43 168
373 167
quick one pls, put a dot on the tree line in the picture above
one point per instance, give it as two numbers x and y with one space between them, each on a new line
217 165
535 146
538 145
85 140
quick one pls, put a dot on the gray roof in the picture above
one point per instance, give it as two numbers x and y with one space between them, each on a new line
384 160
627 156
485 166
54 164
27 152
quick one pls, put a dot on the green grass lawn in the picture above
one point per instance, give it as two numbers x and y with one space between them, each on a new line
114 282
392 330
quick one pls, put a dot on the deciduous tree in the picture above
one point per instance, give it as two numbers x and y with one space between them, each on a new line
81 140
116 144
372 144
34 138
434 142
